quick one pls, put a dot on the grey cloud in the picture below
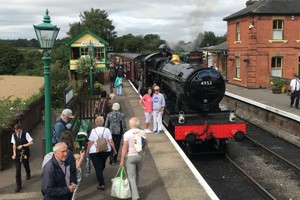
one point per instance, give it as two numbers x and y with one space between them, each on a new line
172 20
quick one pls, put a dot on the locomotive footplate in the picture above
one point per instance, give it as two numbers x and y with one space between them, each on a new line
217 125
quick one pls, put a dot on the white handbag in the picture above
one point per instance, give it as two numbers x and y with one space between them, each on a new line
120 185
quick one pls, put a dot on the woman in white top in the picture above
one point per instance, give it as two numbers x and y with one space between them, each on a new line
133 158
99 159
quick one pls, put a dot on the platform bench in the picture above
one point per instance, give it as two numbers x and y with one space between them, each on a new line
75 124
82 134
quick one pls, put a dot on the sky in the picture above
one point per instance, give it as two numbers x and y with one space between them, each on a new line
172 20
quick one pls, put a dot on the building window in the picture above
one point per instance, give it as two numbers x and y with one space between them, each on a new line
277 29
75 52
99 54
238 31
276 66
84 51
237 67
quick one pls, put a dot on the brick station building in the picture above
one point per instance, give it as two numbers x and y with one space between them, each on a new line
263 43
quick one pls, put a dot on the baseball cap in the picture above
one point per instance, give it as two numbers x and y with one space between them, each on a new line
68 113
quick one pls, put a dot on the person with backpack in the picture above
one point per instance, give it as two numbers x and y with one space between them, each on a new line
21 153
61 124
112 76
134 142
99 157
102 106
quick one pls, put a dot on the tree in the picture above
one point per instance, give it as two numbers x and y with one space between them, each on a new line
209 39
75 29
9 59
60 54
97 21
152 42
31 64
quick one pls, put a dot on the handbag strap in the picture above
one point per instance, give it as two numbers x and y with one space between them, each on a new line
102 132
98 135
121 171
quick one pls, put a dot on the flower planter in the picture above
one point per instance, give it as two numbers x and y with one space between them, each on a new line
276 90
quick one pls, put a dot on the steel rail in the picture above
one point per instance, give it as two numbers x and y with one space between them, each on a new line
269 195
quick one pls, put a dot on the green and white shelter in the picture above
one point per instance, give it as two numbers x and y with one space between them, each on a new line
79 47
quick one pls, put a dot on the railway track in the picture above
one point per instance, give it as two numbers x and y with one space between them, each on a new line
277 174
280 158
260 167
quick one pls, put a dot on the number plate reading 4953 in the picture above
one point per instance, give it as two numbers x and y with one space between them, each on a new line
206 83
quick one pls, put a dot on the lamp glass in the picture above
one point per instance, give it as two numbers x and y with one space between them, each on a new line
46 32
46 37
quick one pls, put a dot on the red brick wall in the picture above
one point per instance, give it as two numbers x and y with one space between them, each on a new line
255 46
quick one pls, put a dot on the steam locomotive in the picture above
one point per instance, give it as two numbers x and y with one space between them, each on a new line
193 93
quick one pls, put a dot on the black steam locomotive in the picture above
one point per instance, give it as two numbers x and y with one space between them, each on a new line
193 93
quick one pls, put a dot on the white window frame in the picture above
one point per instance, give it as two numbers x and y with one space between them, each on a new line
278 28
237 67
238 31
276 66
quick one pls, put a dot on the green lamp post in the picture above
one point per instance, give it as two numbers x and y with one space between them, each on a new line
91 51
46 34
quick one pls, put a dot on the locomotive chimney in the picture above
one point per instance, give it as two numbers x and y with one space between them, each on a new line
251 2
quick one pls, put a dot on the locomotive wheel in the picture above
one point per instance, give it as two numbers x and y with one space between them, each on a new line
187 148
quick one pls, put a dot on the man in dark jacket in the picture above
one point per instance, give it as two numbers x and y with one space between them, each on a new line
56 182
61 124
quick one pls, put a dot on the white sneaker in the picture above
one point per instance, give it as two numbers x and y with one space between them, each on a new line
147 131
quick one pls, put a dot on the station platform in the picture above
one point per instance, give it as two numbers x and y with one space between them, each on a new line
166 173
264 98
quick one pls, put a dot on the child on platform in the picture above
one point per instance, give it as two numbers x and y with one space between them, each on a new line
79 158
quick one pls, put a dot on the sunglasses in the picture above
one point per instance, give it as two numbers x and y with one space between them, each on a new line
156 90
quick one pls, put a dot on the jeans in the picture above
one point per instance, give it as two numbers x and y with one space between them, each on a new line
99 160
119 90
133 167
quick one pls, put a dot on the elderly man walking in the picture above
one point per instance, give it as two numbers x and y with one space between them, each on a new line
56 183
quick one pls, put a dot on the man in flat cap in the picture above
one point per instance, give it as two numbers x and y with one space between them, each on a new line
61 124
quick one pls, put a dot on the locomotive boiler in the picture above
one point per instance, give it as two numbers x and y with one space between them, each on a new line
193 113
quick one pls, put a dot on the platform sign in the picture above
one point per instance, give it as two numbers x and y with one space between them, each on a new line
69 96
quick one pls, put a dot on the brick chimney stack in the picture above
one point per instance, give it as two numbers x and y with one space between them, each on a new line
251 2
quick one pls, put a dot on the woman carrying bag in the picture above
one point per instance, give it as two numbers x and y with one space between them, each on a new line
99 158
133 157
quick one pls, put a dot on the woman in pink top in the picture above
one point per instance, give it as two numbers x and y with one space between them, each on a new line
147 105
